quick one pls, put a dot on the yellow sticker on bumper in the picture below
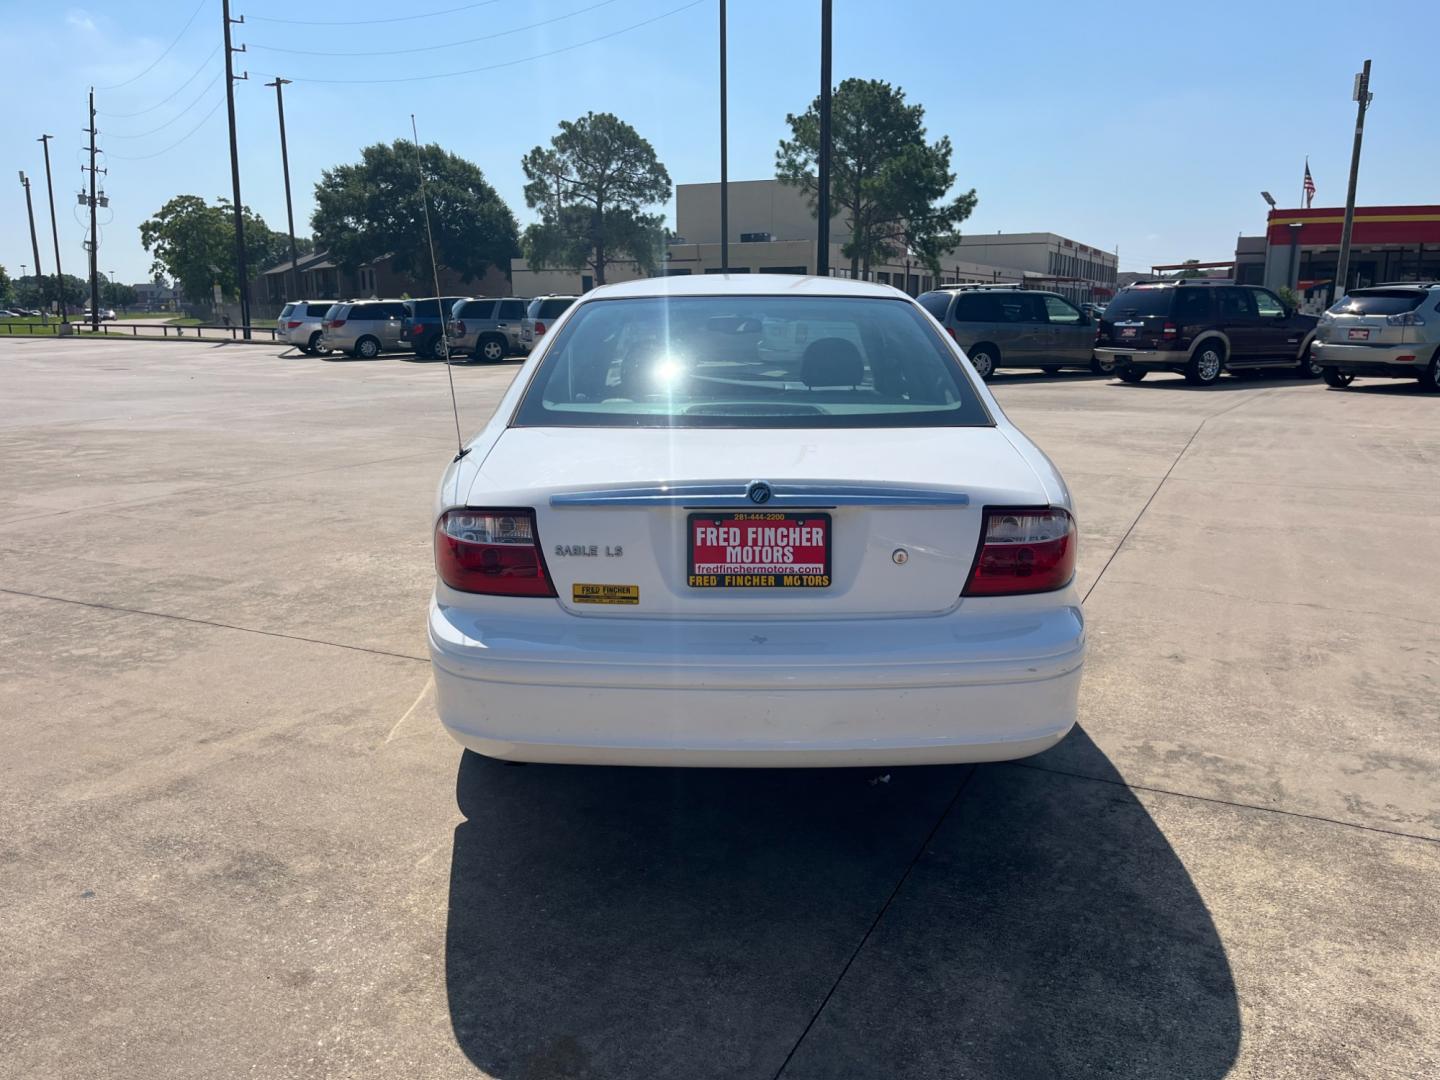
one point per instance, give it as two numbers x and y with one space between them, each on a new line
606 594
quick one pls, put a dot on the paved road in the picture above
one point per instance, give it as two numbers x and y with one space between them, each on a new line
236 843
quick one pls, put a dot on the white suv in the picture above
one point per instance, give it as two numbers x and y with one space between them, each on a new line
1389 331
303 322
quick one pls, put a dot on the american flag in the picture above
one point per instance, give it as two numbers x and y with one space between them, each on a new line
1309 185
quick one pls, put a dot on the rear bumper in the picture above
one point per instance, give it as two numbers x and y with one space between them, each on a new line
987 685
1373 359
1140 358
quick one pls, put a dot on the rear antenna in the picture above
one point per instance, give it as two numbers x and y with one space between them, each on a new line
461 448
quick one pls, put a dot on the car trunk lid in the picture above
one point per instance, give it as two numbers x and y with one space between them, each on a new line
899 508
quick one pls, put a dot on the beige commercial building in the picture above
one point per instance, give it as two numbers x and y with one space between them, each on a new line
772 231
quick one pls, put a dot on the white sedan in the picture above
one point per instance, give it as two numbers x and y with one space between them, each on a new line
753 521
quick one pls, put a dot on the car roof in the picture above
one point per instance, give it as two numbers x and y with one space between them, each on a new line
742 285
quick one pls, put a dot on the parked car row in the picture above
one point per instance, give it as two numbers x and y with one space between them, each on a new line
483 328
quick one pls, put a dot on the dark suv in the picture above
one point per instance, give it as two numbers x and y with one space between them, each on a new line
424 321
1202 328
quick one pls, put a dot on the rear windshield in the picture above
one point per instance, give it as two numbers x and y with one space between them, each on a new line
1131 303
286 310
750 362
548 309
1378 302
935 303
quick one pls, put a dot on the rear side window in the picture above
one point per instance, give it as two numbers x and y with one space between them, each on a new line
550 309
1192 306
977 307
477 309
1138 303
1378 302
750 362
512 309
936 303
317 311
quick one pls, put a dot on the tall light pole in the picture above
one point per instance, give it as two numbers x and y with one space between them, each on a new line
279 84
724 157
822 240
30 210
230 78
93 245
1363 96
54 228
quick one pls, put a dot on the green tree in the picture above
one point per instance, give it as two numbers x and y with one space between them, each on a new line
37 293
886 180
591 187
372 209
194 243
4 286
114 294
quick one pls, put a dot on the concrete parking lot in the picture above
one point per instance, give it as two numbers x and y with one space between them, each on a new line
236 842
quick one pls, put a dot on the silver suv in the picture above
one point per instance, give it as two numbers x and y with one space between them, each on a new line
1386 331
486 328
1013 327
543 311
365 328
302 323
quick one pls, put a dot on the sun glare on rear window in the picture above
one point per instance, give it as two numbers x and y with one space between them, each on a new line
750 361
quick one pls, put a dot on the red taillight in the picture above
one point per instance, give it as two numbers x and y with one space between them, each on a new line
539 328
293 324
1169 332
1023 550
335 324
459 329
951 331
417 330
496 552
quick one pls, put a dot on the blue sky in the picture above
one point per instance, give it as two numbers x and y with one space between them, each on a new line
1153 130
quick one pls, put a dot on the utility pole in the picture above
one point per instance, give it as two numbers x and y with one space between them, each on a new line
54 229
30 209
822 245
230 80
93 246
294 291
724 157
1363 96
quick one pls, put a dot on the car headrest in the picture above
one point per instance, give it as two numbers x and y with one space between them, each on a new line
832 361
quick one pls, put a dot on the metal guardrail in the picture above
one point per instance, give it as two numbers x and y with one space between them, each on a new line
166 330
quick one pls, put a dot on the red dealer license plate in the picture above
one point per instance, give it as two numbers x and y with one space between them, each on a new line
759 550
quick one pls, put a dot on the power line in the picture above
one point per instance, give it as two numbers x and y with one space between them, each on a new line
446 45
177 142
127 82
169 97
508 63
366 22
198 98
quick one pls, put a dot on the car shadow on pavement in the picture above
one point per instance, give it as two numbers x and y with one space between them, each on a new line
1173 381
1393 386
692 923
